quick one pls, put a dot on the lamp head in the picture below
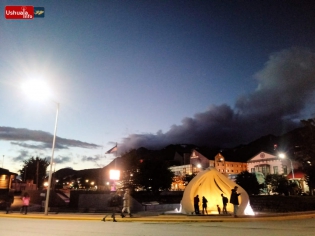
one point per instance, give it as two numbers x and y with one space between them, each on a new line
36 90
282 155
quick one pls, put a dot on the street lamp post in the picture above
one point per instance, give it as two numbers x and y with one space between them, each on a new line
51 162
37 89
281 155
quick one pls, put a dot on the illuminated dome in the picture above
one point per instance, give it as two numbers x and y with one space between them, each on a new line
211 184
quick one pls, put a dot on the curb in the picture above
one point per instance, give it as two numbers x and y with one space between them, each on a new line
162 218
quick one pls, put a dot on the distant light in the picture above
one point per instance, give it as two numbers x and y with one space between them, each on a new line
46 184
198 166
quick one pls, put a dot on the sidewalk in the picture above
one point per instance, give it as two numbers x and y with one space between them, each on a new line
172 218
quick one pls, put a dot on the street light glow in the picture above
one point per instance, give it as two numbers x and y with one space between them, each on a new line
36 90
283 156
114 174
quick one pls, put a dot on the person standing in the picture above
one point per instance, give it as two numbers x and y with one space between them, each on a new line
234 200
204 205
126 205
26 202
225 201
9 200
196 204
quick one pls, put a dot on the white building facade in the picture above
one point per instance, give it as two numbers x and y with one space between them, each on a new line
269 164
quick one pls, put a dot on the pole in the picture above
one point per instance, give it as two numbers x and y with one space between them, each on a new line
37 167
51 162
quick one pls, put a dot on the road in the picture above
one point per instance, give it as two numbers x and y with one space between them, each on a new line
52 227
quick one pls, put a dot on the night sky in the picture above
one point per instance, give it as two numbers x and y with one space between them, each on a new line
153 73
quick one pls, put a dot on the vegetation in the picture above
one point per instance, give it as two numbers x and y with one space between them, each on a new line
34 169
306 154
248 181
187 178
277 184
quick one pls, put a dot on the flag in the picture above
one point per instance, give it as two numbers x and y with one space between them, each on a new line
112 150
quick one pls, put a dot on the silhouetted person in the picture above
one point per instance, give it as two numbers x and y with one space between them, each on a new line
9 200
234 200
196 204
204 205
225 201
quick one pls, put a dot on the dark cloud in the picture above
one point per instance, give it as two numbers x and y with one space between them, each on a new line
88 158
22 156
62 160
285 89
96 159
31 146
45 138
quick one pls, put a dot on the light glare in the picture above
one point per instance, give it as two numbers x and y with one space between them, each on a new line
114 174
36 89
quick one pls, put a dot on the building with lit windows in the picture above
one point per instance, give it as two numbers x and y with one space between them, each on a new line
261 165
6 179
227 167
200 160
267 163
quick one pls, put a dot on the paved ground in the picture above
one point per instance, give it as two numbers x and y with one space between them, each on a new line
154 217
51 227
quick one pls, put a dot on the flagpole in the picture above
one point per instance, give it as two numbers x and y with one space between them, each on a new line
116 155
114 174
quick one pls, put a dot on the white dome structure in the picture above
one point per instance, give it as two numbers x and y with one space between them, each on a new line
211 184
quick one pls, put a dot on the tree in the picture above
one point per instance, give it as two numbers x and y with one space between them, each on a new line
306 154
248 181
277 184
154 175
34 169
187 178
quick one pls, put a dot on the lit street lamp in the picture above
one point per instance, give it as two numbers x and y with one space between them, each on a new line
38 90
283 156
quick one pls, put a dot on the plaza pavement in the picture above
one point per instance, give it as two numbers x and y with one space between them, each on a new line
160 217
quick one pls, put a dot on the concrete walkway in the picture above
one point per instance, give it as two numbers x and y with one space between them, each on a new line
154 217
